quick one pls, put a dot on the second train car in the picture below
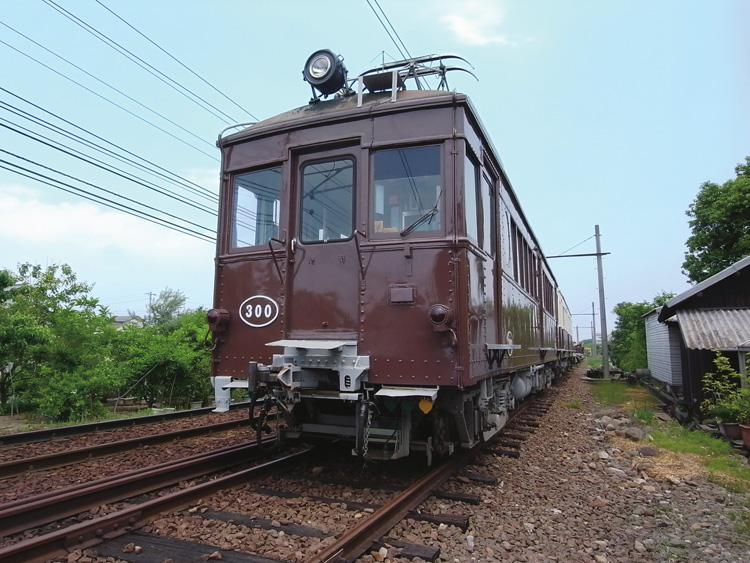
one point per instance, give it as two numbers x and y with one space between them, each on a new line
376 278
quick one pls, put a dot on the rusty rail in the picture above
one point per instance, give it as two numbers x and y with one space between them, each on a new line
18 466
92 532
357 540
29 513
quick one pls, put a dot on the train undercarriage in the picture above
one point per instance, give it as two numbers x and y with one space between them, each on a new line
321 390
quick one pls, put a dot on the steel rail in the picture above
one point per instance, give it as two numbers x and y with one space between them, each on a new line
25 514
33 436
18 466
356 540
87 534
353 543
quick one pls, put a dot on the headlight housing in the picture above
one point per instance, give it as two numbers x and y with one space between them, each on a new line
325 71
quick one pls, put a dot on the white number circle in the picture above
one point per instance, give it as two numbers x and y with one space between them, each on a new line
259 311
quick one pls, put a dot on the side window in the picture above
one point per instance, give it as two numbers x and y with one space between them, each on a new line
470 200
408 190
256 212
327 201
488 212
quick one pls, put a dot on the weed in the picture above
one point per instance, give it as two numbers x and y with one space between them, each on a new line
574 404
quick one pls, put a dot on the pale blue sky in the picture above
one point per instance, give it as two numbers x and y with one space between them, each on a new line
609 113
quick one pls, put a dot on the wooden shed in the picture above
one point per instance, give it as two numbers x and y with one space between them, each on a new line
663 348
711 315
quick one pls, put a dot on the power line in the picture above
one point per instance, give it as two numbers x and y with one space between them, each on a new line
81 156
150 167
176 86
109 101
58 184
99 188
177 60
108 85
103 166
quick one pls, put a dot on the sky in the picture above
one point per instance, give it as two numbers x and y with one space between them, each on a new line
603 113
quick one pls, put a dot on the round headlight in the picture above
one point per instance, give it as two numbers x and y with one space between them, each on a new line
319 66
325 71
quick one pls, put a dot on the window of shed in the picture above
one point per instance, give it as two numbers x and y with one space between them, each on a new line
408 190
256 211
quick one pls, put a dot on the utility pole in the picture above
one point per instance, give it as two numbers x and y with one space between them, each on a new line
593 331
150 296
602 306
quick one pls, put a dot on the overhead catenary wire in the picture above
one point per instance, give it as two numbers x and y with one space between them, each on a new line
408 54
176 86
198 76
103 166
101 200
108 100
137 160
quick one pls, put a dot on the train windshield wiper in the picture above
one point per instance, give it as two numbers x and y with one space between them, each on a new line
426 217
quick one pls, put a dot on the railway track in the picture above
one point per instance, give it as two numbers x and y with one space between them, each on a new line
119 530
94 531
18 466
35 436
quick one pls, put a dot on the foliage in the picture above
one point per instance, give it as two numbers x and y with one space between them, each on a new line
165 309
720 226
66 355
716 455
165 363
724 399
628 340
595 362
55 335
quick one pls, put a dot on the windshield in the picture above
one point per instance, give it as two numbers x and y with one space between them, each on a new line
406 195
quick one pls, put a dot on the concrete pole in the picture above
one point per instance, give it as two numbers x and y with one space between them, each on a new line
602 305
593 331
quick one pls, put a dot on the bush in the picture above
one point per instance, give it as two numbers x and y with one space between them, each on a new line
725 401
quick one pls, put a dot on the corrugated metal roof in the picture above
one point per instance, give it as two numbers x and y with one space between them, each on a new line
715 329
669 308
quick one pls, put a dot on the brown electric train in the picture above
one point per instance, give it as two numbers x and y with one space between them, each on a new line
376 279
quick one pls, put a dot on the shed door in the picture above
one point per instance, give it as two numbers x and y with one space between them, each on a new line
324 285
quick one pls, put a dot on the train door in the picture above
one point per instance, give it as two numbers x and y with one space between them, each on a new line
324 283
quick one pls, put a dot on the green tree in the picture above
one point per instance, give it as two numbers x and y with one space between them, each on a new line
164 310
57 337
18 331
627 342
166 364
720 226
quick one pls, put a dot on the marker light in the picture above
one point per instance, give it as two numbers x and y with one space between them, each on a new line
217 319
441 316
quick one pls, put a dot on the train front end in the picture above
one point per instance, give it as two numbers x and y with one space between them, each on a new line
336 270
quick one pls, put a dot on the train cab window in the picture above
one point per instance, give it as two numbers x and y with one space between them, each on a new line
327 201
408 191
256 211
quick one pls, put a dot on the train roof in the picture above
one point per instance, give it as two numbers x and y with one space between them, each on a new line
340 107
352 105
